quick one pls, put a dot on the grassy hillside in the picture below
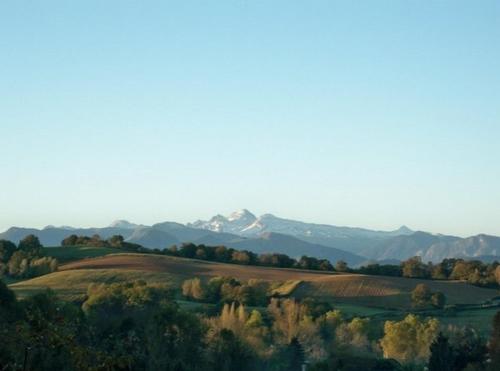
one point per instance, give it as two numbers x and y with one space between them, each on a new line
373 291
387 292
73 284
479 319
70 253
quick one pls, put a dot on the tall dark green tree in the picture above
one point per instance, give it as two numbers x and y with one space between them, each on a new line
228 353
31 244
494 345
7 248
295 355
7 303
438 299
173 339
442 355
71 240
8 315
470 351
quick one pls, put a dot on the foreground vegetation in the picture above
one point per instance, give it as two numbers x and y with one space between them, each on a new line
136 326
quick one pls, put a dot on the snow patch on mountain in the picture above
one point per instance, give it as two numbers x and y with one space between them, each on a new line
234 223
246 224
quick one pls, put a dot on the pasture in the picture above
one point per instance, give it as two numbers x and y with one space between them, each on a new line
65 254
359 291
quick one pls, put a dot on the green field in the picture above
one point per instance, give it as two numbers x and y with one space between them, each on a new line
479 319
66 254
72 285
352 310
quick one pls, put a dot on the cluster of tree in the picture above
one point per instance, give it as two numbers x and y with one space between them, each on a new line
26 259
381 270
464 351
290 332
227 290
96 241
409 340
136 326
422 297
473 271
229 255
255 292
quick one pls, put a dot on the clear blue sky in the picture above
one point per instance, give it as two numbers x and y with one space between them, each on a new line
365 113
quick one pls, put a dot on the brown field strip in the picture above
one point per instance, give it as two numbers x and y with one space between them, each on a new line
191 267
376 291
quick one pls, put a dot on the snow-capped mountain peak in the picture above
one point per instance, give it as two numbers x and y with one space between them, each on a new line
246 224
233 223
242 214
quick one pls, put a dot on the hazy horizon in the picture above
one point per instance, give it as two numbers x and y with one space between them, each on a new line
371 115
187 221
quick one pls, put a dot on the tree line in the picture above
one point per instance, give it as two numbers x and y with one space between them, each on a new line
220 253
474 272
26 259
96 241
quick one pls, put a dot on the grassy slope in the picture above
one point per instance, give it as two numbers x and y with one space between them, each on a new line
73 284
388 292
358 290
479 319
73 278
72 253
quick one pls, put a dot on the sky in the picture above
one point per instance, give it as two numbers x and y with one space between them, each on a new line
360 113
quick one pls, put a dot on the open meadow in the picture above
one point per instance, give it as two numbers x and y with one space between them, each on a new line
379 292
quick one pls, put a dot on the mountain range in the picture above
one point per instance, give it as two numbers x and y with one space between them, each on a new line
435 248
269 233
244 223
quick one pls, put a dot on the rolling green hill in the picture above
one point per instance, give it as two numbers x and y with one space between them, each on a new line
70 253
105 266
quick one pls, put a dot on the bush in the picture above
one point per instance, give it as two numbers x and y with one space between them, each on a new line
193 289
